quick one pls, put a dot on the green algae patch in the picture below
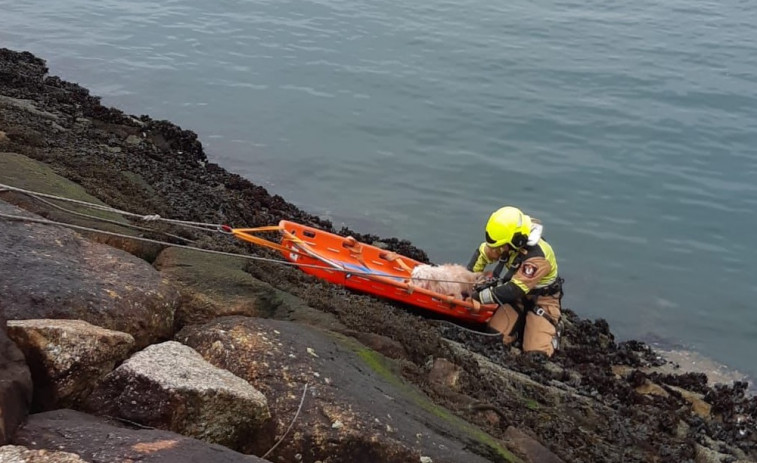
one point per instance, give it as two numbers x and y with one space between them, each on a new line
532 404
215 273
19 171
106 227
214 285
381 365
389 371
140 182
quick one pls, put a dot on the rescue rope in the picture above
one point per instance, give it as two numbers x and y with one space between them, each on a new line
302 401
245 234
101 219
208 227
19 218
481 333
100 207
148 240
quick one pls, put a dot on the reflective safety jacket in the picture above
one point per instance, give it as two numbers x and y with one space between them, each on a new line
529 271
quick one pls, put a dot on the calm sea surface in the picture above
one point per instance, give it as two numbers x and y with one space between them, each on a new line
629 128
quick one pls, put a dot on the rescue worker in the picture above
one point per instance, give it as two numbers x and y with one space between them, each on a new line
525 283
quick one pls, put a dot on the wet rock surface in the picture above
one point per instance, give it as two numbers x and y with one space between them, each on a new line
595 400
354 408
98 440
75 278
213 286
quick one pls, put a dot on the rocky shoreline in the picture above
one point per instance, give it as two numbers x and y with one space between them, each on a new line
188 356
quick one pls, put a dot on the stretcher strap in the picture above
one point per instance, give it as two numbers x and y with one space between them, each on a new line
303 248
356 250
247 234
394 257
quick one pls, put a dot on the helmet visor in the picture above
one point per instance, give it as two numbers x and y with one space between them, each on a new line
518 241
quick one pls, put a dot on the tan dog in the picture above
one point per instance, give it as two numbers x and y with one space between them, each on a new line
448 279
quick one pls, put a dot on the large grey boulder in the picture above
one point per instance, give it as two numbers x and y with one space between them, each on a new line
48 271
170 386
214 285
99 441
67 357
344 402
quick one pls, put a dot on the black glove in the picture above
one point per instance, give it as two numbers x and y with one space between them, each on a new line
488 283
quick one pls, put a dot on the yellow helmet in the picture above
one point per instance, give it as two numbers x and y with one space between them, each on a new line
508 225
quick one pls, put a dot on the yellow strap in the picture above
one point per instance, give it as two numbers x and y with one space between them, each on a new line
246 234
258 229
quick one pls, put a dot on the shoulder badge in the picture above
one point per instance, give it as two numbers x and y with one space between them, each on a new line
529 269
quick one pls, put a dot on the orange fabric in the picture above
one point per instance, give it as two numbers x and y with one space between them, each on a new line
355 248
394 257
505 320
538 331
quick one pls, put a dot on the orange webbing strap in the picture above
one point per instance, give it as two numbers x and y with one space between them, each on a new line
394 257
304 249
356 249
247 234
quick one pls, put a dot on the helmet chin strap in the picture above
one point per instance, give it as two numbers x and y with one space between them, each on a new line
535 234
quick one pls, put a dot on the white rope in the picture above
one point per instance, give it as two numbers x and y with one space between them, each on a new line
211 251
302 401
101 219
182 246
148 217
156 217
195 248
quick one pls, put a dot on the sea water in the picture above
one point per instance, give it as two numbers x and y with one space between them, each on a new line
628 128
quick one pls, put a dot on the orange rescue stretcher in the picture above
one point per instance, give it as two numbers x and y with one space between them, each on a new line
359 266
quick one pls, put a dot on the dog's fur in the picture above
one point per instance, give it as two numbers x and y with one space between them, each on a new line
448 279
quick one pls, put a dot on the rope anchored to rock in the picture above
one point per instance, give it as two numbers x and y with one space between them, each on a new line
207 227
298 247
105 208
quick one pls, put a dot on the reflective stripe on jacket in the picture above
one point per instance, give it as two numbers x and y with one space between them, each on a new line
519 272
